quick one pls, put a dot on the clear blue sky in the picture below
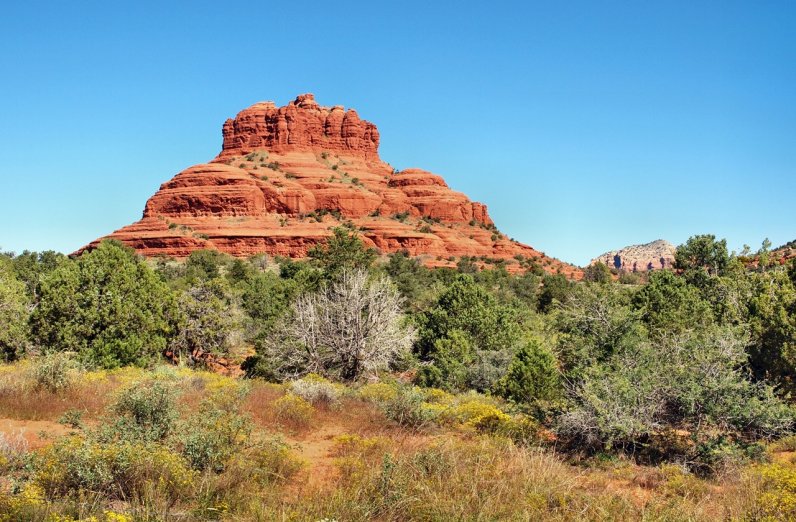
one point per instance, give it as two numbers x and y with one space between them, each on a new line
585 126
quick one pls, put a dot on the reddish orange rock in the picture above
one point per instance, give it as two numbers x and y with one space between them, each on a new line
287 175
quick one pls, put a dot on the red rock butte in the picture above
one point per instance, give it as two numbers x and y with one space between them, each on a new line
286 176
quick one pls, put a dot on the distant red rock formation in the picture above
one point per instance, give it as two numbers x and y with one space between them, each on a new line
287 175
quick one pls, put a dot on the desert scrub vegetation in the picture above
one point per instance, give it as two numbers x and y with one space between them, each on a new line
352 387
207 458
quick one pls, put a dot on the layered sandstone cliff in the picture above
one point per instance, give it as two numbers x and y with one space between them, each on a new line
656 255
286 176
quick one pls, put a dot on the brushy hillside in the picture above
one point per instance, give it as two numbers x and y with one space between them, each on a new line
352 387
178 444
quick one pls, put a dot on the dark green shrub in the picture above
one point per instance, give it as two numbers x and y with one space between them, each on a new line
532 376
107 305
597 273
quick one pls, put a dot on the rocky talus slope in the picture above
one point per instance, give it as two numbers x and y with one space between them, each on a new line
640 258
287 175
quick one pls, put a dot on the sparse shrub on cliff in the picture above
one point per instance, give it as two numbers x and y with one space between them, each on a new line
205 264
343 251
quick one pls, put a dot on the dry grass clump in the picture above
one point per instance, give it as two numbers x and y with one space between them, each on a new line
45 389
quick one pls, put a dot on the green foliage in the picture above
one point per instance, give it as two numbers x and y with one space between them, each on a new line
470 309
668 304
343 251
693 382
702 252
410 277
14 311
267 297
30 267
204 322
240 271
205 264
108 306
532 376
465 320
408 408
554 290
630 278
55 371
146 412
72 418
75 466
593 323
791 270
771 309
597 273
209 438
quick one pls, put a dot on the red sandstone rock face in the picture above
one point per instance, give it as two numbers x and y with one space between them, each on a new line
286 176
299 125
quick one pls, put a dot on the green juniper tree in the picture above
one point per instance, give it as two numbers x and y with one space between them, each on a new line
108 306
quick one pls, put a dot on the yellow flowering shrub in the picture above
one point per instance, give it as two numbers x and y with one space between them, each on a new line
112 516
437 396
471 410
777 500
293 410
268 462
22 506
350 444
378 392
679 482
120 469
